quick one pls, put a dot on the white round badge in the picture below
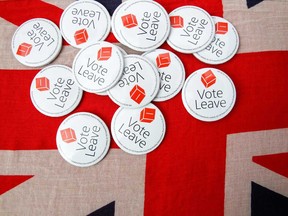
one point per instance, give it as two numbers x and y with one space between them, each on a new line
142 25
171 72
85 22
36 42
83 139
98 67
223 46
208 94
54 92
105 93
138 131
138 85
192 29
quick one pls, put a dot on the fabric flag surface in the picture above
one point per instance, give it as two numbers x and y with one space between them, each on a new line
235 166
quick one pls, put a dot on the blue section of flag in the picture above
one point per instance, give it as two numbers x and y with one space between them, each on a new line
252 3
265 202
111 5
107 210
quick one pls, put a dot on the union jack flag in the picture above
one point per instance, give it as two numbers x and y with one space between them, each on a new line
235 166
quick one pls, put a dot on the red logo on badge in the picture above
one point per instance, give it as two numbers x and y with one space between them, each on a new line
208 78
68 135
81 36
24 49
176 21
104 53
221 27
137 94
163 60
129 21
147 115
42 84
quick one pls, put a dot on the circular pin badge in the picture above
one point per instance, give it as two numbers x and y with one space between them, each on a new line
98 67
85 22
83 139
54 92
223 46
208 94
142 25
138 131
105 93
171 72
192 29
36 42
138 85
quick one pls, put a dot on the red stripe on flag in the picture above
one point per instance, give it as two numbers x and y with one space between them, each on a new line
188 168
29 9
111 38
215 10
276 162
9 182
23 127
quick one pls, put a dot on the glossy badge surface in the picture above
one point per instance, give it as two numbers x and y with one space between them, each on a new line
83 139
36 42
85 22
142 25
54 92
138 85
98 67
223 46
138 131
171 72
192 29
209 94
